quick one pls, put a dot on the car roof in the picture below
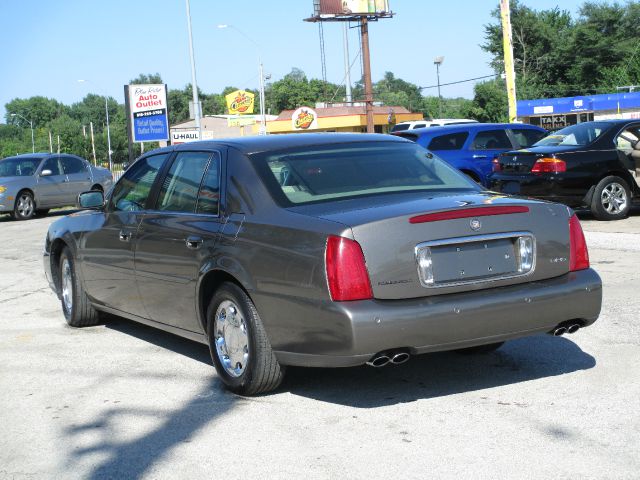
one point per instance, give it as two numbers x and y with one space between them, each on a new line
469 127
265 143
30 155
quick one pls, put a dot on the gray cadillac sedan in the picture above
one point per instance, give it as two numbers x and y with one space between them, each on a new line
319 250
36 182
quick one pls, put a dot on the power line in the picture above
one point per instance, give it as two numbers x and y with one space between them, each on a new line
459 81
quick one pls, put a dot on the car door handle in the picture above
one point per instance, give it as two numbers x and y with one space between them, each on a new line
124 236
194 242
479 156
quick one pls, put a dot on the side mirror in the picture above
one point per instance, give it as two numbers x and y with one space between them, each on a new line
45 173
93 200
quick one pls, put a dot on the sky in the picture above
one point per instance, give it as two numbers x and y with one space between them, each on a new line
49 45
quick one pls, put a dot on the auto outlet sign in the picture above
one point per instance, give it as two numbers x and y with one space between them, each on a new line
148 113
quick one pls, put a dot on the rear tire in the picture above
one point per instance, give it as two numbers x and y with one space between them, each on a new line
611 199
238 343
25 206
77 309
97 188
480 349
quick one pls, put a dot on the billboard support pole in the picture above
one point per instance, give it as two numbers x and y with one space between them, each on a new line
127 107
366 60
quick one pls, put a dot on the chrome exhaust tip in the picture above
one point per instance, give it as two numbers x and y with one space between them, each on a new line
378 361
573 328
559 331
400 357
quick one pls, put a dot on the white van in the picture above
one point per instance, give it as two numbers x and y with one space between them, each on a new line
436 122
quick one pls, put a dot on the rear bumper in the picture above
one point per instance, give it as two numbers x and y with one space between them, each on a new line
354 331
566 190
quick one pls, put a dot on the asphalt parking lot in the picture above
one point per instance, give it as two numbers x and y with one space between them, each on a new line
123 400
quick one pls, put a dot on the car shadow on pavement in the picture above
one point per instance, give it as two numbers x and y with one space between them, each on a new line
440 374
53 213
183 346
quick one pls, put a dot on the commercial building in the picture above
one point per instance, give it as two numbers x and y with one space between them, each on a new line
216 126
349 117
556 113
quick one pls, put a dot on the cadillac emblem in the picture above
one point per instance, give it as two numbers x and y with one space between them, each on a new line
475 224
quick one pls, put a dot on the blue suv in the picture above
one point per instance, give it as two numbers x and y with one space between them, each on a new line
472 147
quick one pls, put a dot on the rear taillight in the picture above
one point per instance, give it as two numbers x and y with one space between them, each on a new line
578 253
347 274
549 165
495 164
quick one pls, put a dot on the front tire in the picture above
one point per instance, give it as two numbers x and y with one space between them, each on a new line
25 206
238 343
42 212
77 309
611 199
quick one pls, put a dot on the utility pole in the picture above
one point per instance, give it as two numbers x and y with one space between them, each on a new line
347 65
438 61
507 45
366 60
93 144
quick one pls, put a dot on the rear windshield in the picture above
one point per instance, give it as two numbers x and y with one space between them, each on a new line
580 134
332 172
18 167
399 127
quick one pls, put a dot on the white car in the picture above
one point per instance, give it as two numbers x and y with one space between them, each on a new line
436 122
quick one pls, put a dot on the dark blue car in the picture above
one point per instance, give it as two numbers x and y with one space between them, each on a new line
472 147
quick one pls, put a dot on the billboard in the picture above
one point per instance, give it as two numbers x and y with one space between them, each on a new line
350 7
304 118
240 102
148 113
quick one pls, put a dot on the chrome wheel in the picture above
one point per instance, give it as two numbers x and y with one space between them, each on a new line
25 205
67 285
231 338
614 198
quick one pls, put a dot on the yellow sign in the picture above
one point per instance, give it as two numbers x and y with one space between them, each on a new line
239 102
304 118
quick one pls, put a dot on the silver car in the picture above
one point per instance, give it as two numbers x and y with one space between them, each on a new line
34 183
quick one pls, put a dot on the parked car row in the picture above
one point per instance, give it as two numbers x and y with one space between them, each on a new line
593 164
319 250
32 184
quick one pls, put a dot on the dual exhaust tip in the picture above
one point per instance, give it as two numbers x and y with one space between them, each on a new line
392 356
568 328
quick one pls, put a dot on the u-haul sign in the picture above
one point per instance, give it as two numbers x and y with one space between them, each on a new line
184 136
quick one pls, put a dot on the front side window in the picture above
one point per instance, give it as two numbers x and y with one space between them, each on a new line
18 167
453 141
492 140
52 164
333 172
209 196
72 165
179 191
132 191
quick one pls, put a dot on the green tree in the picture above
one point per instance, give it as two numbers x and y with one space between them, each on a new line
146 78
489 102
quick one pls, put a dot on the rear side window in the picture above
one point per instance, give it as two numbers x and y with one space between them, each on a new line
453 141
400 127
492 140
420 125
209 196
527 136
72 165
179 191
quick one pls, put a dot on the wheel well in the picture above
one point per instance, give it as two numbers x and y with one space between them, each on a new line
30 191
56 250
97 187
208 287
474 176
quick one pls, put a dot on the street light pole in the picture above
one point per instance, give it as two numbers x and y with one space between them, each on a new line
438 61
106 110
263 120
33 142
194 84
